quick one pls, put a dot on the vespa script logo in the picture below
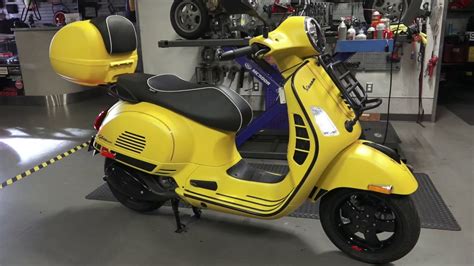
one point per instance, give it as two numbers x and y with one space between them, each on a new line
308 87
257 74
104 139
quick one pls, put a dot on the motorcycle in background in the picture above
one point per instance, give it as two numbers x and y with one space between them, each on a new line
221 19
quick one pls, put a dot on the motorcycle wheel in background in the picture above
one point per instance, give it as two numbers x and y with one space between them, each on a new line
189 18
393 7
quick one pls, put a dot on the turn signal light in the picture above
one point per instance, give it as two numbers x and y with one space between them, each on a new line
99 119
380 189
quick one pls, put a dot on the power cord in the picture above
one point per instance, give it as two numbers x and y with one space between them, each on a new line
391 74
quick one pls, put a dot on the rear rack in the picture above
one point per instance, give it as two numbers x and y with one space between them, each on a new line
351 90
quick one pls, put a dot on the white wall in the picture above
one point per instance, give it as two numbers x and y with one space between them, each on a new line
155 26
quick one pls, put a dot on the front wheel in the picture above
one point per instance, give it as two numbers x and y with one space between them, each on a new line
368 226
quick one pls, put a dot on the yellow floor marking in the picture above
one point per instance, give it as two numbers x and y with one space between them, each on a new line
38 167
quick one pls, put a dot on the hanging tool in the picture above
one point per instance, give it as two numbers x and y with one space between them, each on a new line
432 65
435 13
421 59
30 6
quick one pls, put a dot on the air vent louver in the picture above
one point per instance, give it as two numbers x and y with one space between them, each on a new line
302 140
131 142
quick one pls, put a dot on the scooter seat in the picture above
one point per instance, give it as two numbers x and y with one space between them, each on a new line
209 105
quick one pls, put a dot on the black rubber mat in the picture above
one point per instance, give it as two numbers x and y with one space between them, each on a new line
458 97
463 111
375 131
433 211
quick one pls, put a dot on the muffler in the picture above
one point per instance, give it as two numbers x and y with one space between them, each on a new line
135 184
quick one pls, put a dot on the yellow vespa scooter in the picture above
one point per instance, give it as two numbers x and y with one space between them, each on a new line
169 139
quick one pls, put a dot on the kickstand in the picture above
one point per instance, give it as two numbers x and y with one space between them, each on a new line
197 212
175 205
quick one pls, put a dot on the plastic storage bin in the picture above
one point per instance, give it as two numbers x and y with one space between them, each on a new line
95 52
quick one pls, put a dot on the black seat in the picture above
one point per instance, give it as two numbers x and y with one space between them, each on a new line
118 33
209 105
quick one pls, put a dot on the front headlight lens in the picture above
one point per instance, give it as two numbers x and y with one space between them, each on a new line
315 34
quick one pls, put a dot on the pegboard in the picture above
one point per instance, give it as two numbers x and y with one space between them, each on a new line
372 62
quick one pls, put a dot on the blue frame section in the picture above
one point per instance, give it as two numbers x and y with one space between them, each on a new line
274 111
275 114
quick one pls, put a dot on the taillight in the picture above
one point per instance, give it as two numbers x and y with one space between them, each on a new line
99 119
106 153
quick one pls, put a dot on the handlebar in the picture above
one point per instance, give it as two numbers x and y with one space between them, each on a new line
372 104
235 53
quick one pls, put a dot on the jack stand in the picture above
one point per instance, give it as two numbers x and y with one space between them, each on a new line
197 212
175 205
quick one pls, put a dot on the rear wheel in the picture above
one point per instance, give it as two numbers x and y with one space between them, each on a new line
128 201
133 204
370 227
189 18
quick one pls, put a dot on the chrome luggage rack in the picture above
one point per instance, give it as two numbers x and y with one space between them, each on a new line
351 90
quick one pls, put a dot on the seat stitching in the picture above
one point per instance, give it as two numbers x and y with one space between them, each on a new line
110 34
240 113
197 89
170 74
134 30
251 118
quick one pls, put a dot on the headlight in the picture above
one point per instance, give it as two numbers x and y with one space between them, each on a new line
315 34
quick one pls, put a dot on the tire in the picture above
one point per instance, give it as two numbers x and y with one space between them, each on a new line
398 213
380 5
189 18
129 202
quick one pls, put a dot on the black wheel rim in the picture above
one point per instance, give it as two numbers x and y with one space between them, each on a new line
188 16
393 7
366 222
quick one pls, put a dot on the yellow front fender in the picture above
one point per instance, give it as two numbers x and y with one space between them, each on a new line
360 165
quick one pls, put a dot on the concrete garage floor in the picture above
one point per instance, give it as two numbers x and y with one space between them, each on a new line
44 219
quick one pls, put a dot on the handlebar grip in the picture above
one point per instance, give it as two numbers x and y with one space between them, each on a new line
233 54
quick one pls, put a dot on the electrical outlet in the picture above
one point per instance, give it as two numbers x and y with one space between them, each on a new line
369 87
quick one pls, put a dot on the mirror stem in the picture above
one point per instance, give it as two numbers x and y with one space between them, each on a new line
265 31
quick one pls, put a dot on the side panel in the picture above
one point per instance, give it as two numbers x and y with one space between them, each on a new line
360 165
174 144
324 117
137 135
311 149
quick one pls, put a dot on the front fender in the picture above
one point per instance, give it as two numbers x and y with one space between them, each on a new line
360 165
